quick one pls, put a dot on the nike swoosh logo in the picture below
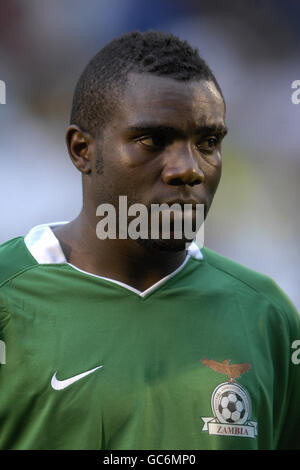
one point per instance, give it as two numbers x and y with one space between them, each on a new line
61 384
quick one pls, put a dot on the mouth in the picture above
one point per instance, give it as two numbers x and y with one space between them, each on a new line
183 202
178 216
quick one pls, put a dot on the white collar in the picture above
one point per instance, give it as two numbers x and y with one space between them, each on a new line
46 249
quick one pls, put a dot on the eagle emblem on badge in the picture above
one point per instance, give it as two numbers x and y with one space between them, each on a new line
233 371
230 402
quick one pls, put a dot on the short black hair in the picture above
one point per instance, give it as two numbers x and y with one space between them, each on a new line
101 83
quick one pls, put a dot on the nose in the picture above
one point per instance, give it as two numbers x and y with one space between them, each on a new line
181 168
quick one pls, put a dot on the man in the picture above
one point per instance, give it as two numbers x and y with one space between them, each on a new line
147 343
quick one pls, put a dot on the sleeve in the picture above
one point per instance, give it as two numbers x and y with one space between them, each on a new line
3 318
289 436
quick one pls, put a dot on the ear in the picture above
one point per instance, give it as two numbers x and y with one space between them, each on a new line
80 147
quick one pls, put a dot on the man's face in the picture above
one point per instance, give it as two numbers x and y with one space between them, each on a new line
163 144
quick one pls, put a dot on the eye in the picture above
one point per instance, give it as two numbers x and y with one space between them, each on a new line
154 142
208 145
147 141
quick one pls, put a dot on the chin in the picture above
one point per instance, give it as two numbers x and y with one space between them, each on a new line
172 245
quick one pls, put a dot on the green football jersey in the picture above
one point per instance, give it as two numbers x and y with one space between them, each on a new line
204 359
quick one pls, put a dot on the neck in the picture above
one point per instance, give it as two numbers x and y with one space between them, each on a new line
122 260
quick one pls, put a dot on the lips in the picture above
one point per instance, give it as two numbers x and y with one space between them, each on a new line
182 202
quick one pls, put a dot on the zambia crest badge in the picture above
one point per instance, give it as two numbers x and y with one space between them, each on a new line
230 403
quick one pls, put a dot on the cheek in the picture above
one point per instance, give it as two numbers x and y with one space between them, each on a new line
218 171
212 169
126 156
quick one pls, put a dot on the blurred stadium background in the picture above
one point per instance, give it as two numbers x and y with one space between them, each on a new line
253 48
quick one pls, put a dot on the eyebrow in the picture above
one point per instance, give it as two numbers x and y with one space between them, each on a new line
202 130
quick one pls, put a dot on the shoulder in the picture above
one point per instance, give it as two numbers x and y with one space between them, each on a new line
246 280
236 272
14 259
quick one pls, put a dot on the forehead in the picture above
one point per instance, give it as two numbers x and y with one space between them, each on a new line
163 100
